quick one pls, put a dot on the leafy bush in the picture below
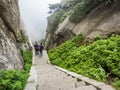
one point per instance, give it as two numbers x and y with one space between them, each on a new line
97 60
16 79
116 83
63 17
27 57
13 80
24 37
97 38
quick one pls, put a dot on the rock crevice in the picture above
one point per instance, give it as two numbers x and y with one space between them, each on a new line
10 55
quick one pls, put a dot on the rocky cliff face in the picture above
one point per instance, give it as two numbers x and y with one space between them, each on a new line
10 57
102 21
62 34
66 3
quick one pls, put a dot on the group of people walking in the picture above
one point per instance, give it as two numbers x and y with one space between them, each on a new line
38 49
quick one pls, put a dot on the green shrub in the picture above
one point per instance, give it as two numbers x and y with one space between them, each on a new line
13 80
63 17
97 38
24 37
116 83
27 57
97 60
16 79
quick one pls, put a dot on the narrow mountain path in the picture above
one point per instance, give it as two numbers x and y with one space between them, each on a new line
49 78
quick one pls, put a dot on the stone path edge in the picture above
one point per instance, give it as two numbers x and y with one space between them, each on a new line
98 85
32 80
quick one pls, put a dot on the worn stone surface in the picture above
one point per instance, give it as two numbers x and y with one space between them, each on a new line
50 78
90 87
98 85
80 84
32 80
10 57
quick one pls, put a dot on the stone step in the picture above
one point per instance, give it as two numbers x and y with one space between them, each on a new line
99 85
89 87
80 84
51 77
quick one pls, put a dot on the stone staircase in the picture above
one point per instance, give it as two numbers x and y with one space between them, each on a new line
89 87
59 80
50 77
85 83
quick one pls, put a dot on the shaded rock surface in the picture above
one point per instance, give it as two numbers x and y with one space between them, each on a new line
103 20
62 34
58 38
10 56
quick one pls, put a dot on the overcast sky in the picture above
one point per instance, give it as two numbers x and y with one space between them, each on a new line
34 15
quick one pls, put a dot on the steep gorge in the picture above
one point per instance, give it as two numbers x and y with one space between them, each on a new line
10 56
102 21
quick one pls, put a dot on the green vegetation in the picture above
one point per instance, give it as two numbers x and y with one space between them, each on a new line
16 79
83 8
24 37
63 16
42 41
13 80
27 57
55 19
97 38
99 60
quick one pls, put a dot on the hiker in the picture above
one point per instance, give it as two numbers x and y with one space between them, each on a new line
41 49
36 46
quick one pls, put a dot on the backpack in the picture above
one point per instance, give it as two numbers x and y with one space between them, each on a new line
39 48
36 47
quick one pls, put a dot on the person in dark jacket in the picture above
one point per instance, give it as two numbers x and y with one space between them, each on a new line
36 46
41 49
